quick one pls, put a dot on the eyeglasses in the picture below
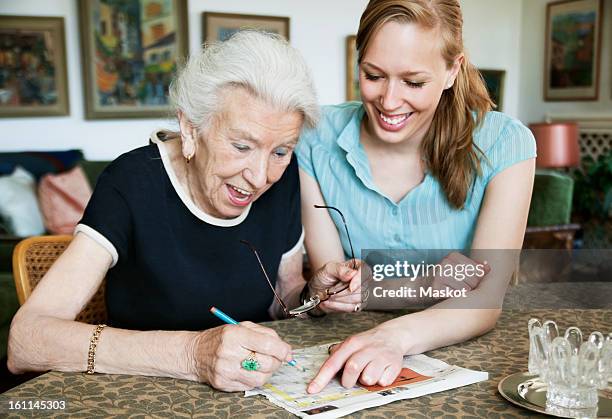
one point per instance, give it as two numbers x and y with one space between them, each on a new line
345 228
320 296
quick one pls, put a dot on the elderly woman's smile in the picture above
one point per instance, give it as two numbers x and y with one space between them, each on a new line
239 196
240 156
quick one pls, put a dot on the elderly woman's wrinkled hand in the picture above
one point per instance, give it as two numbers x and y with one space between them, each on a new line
373 357
336 275
219 354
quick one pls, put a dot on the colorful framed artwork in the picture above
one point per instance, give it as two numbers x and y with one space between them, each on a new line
33 77
130 53
573 49
220 26
494 80
352 69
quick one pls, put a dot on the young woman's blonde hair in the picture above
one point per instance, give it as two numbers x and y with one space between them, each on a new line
448 146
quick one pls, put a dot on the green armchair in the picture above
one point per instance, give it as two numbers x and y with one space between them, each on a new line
549 225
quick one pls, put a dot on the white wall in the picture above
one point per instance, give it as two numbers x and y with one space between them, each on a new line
532 107
318 29
492 37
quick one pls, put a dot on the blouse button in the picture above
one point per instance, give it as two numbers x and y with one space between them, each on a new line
395 211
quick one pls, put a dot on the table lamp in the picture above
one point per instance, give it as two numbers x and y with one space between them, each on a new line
557 144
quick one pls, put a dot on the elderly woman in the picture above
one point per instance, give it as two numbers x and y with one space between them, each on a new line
164 227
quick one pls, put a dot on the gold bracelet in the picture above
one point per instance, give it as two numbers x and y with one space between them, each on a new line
93 343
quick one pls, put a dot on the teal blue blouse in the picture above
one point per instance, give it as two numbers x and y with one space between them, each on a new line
333 155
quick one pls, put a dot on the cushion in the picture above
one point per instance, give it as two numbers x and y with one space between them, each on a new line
63 198
18 204
39 163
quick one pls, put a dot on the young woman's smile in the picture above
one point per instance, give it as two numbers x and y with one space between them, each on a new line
402 76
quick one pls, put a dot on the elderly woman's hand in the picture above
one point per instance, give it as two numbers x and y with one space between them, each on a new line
337 275
219 352
371 357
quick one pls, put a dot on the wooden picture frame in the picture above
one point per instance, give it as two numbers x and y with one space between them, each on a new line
573 50
494 81
220 26
352 69
131 50
33 71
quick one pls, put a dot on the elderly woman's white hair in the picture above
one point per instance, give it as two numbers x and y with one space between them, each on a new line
263 63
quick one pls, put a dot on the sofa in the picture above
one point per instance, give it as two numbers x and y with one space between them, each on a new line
39 164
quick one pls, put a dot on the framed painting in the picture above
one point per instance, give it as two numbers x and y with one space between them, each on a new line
494 80
130 53
352 69
33 77
220 26
573 47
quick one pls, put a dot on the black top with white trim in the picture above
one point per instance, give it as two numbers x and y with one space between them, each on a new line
172 261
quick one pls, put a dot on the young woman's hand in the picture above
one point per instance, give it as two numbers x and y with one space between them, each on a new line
371 357
218 354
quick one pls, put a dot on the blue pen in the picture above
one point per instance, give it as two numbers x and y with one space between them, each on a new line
227 319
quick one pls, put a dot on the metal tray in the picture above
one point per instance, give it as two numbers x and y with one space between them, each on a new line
528 391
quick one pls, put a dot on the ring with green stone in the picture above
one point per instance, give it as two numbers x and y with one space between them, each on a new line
250 363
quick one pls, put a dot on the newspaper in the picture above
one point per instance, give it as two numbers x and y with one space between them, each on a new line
420 375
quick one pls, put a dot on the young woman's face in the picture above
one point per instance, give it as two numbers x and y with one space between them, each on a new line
402 76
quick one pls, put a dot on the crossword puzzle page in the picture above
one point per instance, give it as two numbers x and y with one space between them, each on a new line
421 375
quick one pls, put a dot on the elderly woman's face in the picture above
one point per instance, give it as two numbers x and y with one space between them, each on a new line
244 152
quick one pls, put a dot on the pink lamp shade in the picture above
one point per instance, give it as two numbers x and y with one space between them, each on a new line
557 144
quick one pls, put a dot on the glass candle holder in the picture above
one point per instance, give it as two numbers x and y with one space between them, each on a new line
572 368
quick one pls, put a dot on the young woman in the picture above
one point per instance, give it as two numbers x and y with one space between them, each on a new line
421 163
